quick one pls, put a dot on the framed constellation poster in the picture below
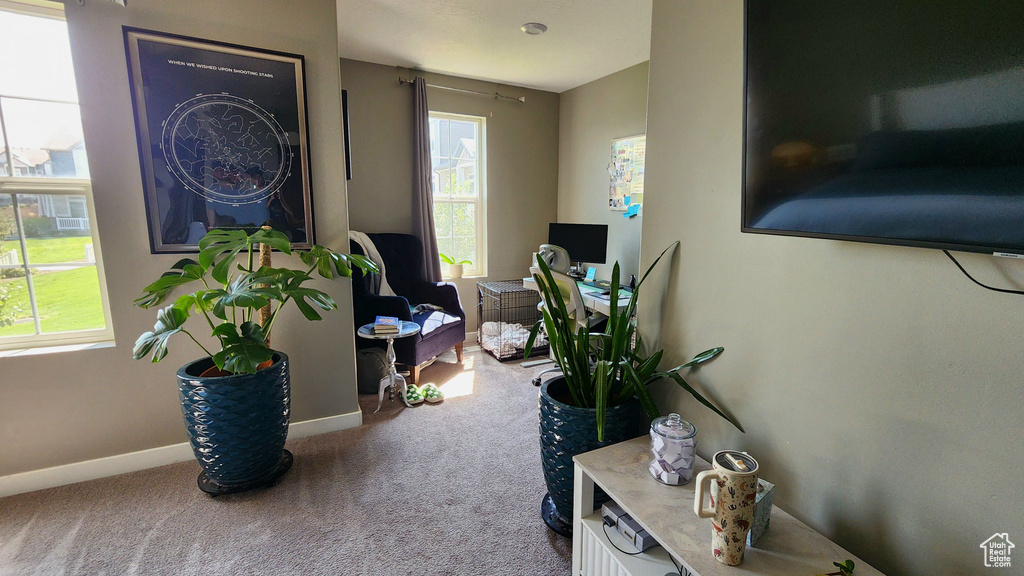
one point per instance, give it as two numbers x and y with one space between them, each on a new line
626 168
222 136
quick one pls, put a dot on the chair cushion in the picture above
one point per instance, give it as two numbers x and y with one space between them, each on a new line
442 332
430 321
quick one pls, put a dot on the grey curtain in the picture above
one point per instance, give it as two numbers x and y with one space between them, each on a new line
422 196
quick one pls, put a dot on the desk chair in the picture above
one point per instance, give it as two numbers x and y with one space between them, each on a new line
570 292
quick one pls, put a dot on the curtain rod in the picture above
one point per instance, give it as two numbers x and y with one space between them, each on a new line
494 94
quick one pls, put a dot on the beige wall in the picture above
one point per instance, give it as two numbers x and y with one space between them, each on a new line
70 407
522 162
589 118
879 388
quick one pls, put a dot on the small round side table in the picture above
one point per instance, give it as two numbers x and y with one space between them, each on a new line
393 378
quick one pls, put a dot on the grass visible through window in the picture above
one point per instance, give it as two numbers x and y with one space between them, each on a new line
68 299
61 249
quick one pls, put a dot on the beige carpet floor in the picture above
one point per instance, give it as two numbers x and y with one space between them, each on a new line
453 488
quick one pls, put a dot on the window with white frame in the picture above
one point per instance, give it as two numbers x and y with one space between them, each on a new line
458 166
51 285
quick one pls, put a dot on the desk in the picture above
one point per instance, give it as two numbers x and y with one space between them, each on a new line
789 547
593 304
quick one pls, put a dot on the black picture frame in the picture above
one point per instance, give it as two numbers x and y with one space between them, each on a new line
223 138
347 134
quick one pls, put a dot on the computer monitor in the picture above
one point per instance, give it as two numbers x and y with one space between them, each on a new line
584 242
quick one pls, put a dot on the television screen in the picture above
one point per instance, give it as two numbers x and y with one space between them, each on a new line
583 242
891 121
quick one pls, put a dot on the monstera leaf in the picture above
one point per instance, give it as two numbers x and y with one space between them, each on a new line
218 250
328 263
169 322
182 272
241 352
246 291
306 298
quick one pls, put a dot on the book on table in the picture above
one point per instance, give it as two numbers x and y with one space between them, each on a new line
385 325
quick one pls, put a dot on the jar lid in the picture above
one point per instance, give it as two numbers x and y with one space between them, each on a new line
674 427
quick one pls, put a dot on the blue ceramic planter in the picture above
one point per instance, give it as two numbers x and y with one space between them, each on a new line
237 424
566 431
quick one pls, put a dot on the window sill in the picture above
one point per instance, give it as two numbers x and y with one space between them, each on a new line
55 349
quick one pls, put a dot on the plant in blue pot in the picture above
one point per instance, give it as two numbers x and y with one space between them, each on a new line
236 399
601 396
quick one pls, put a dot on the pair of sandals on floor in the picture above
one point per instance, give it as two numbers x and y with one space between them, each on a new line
427 393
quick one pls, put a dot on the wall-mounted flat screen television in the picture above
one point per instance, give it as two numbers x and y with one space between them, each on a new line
889 121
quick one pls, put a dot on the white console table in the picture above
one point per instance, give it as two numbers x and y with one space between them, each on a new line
790 547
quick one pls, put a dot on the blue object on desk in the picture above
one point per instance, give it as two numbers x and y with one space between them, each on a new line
591 274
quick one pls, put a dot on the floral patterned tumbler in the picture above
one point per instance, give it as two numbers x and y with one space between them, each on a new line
732 507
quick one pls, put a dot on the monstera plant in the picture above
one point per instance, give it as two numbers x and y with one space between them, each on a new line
235 400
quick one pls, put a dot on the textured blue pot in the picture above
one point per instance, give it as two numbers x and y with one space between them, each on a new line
566 431
237 424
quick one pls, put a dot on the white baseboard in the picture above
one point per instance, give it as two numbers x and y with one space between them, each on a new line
151 458
306 428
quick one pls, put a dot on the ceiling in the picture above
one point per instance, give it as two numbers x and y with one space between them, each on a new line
586 39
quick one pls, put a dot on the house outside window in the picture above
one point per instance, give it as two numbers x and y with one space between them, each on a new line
52 289
457 155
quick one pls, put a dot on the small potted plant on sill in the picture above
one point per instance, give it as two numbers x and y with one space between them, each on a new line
602 396
454 268
235 400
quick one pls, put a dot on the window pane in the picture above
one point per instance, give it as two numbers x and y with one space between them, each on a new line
455 160
37 58
464 152
56 228
444 246
10 248
441 179
443 137
435 137
15 307
464 220
452 184
464 249
465 179
45 138
68 298
443 219
4 168
463 138
435 167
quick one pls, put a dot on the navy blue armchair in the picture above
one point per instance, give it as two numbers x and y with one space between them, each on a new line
439 330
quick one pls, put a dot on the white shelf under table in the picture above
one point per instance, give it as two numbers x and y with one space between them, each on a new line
790 547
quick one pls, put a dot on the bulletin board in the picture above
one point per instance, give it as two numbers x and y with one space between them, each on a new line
626 192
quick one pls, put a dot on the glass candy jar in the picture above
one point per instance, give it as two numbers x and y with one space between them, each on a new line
673 444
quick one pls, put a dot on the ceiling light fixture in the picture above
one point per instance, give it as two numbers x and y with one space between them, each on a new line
534 28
